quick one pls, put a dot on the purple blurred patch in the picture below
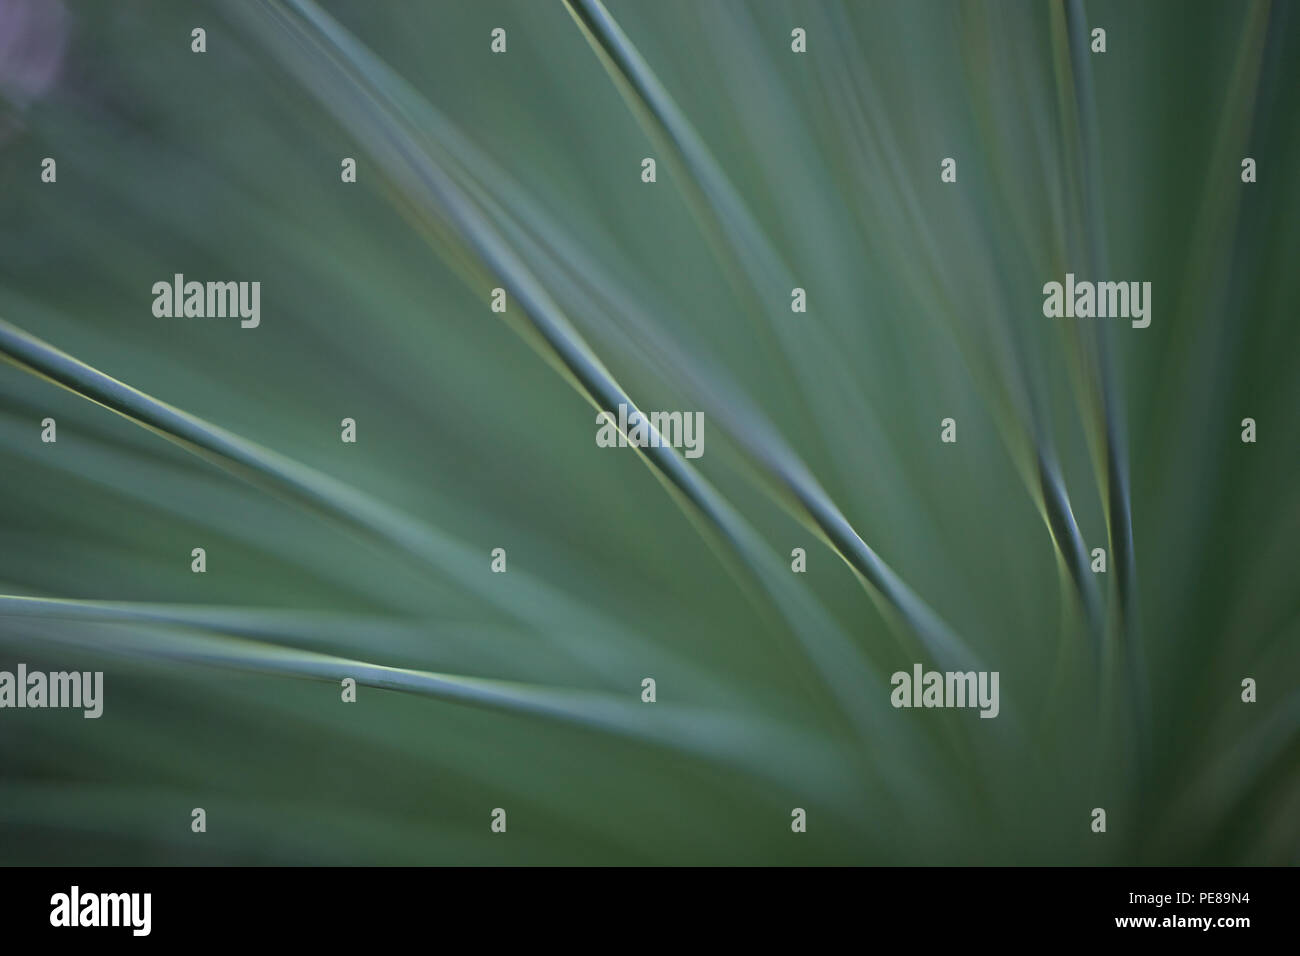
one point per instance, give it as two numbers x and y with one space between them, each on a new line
33 37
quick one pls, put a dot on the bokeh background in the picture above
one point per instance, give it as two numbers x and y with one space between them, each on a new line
476 431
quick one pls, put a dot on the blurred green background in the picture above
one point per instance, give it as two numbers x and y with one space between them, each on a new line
775 170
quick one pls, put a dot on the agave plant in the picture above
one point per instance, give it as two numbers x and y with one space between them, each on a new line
363 588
